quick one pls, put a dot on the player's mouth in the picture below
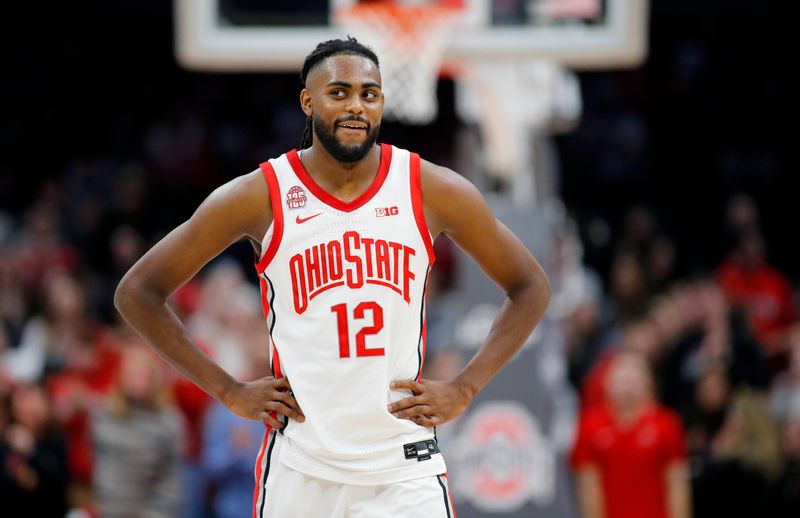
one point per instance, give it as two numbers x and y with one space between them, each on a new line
353 126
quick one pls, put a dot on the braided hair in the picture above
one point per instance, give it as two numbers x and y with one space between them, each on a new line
322 52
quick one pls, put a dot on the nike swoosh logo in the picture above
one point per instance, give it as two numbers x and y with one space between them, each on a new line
303 220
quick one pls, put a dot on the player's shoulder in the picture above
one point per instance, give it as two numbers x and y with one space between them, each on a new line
242 201
433 176
243 187
445 195
440 182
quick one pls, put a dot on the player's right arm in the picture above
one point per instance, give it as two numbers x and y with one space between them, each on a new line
239 209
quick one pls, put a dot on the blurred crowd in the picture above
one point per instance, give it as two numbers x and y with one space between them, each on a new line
681 333
690 377
81 395
705 361
707 351
92 422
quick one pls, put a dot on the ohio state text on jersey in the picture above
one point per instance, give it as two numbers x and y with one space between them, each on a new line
343 290
353 261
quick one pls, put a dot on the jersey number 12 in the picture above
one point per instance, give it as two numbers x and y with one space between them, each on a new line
361 337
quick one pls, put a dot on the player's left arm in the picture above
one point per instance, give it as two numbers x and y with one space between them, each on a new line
453 206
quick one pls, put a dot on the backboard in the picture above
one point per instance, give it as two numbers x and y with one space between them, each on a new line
272 35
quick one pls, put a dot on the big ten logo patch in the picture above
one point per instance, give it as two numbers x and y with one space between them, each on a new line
296 197
386 211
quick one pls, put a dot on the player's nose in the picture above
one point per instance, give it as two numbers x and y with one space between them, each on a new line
355 105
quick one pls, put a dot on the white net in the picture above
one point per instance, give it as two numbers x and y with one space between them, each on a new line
410 42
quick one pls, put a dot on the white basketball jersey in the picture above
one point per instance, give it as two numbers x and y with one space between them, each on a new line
343 288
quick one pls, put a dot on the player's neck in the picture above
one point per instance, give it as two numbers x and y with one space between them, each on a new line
343 180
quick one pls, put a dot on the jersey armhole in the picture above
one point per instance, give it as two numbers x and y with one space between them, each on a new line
416 204
277 216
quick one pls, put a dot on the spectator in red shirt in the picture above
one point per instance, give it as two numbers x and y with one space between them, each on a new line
640 336
758 289
629 456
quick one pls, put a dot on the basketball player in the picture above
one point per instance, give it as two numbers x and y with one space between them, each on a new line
343 230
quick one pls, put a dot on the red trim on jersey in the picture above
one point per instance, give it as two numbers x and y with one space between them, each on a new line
259 472
276 368
276 361
450 496
277 216
336 203
264 302
422 356
424 327
385 284
416 204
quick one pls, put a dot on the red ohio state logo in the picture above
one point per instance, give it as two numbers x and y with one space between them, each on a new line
501 460
296 197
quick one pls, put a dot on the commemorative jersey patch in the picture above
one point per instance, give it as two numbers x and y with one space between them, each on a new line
296 197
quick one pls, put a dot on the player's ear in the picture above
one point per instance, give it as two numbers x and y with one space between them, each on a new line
305 102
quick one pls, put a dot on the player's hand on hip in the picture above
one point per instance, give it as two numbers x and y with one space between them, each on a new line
432 403
258 399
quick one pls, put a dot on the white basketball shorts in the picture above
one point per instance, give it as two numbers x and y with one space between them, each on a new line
288 493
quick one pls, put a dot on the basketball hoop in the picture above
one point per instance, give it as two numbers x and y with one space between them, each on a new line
410 41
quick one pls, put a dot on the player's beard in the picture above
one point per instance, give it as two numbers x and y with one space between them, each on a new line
344 153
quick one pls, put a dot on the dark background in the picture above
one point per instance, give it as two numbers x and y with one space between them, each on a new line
710 113
108 144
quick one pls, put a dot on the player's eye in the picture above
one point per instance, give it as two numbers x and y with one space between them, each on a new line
338 93
371 94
